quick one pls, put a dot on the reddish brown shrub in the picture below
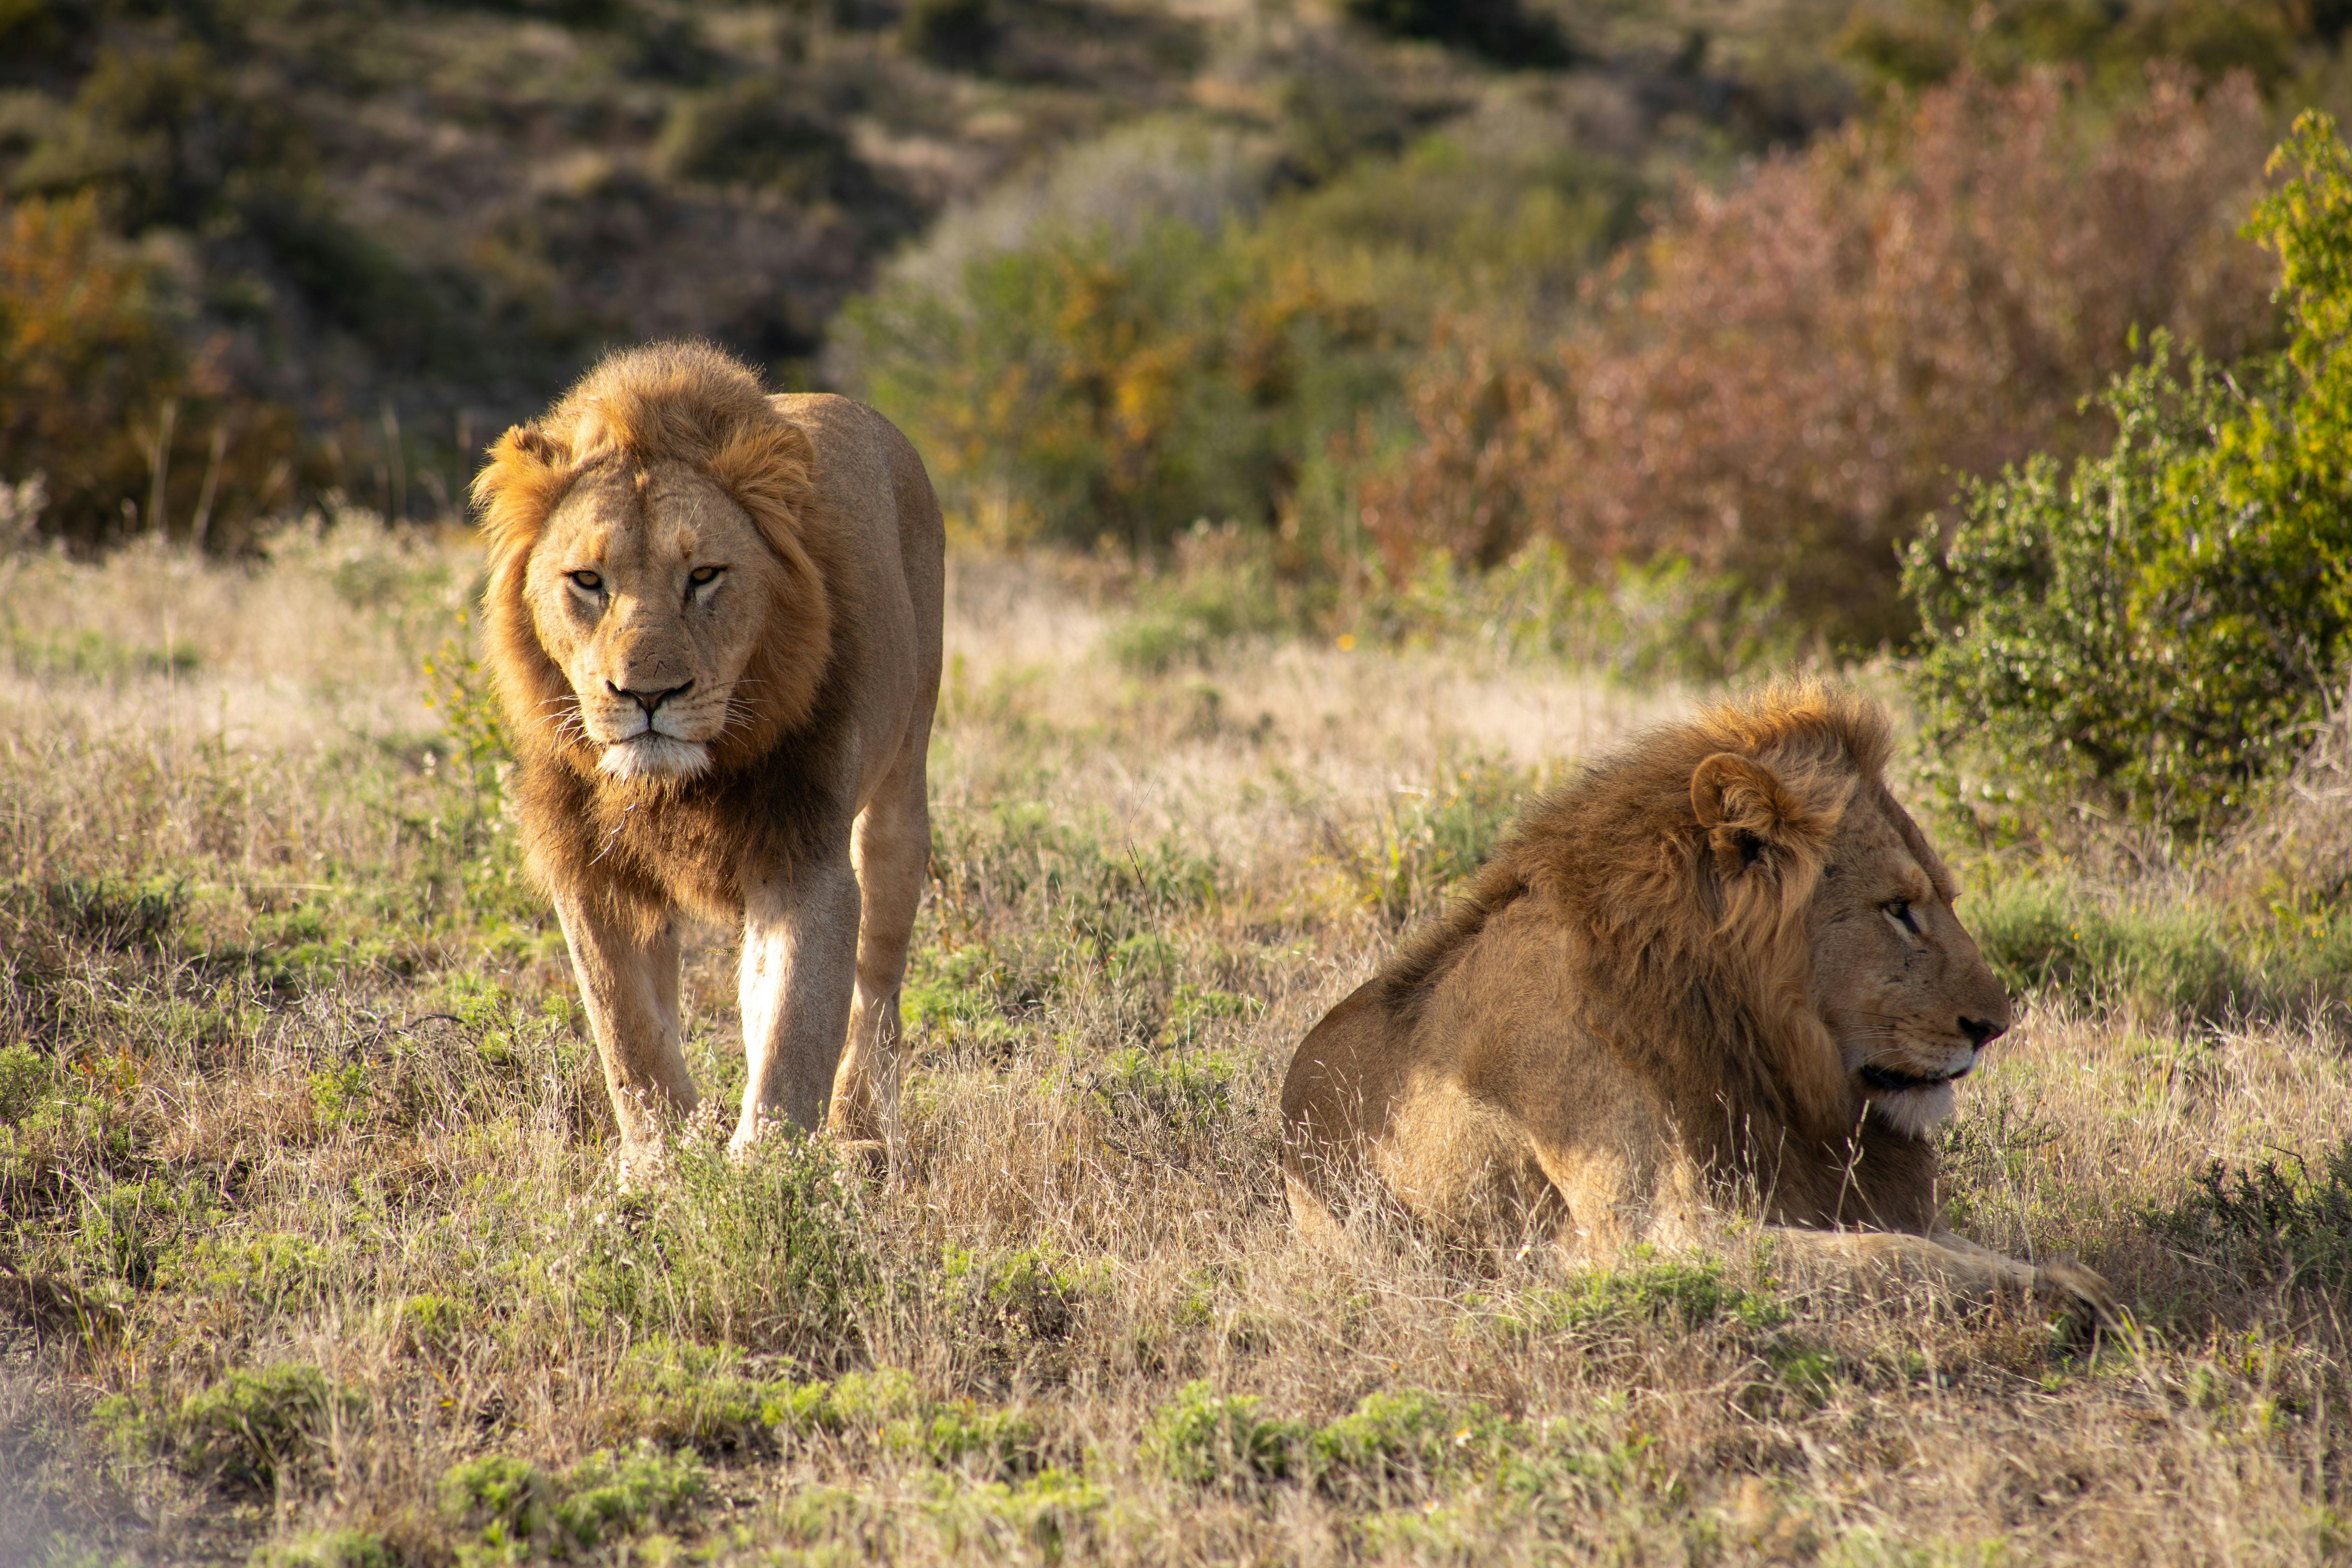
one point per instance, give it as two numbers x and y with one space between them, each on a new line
1784 380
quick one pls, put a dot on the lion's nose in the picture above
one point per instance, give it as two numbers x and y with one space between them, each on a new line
648 700
1982 1032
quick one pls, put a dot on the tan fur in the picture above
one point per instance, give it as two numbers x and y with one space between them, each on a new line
713 623
1722 967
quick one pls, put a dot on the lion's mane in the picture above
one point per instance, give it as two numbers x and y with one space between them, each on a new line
763 799
1696 978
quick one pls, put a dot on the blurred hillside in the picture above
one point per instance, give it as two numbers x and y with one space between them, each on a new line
252 251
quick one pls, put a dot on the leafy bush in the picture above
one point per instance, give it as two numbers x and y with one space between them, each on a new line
254 1431
1423 840
518 1511
1163 335
1406 1442
1642 622
1210 1439
27 1078
2047 936
1786 376
2160 629
2278 1220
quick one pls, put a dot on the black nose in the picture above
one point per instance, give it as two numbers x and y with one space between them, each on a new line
1981 1032
648 700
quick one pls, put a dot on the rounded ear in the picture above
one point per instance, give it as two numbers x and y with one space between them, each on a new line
527 474
1750 814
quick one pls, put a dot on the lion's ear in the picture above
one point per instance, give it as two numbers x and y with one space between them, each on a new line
528 470
1751 815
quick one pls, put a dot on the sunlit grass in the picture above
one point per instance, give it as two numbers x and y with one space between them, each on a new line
311 1248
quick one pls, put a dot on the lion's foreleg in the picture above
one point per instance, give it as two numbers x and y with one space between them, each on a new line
630 987
892 849
1951 1263
799 955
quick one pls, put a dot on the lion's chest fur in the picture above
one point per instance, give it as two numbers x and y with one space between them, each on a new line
691 848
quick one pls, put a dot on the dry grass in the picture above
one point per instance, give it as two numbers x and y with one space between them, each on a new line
311 1251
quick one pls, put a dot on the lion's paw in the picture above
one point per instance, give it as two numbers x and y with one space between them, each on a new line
2077 1286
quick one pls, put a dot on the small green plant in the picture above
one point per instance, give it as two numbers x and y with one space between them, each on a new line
27 1078
117 916
1178 1094
1423 839
517 1511
1406 1442
767 1252
1687 1295
2280 1220
1002 1445
329 1549
458 688
1027 1296
1209 1439
256 1431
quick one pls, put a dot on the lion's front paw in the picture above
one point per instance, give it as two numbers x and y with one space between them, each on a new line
868 1157
754 1130
2069 1282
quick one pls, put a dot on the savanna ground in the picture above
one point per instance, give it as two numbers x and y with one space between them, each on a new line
311 1251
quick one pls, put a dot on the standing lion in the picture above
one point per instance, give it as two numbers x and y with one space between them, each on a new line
713 622
1721 966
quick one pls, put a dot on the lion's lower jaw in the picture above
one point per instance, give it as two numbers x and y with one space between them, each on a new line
1916 1112
652 758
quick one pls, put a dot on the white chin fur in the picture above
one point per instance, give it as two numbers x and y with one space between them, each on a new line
655 756
1915 1111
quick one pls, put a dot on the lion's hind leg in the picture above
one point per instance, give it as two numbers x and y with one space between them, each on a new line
890 847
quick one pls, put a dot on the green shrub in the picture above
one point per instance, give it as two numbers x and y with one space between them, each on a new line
256 1431
1029 1295
519 1511
329 1549
2156 631
767 1252
1684 1295
27 1078
1423 840
1405 1442
2277 1221
1181 1095
1208 1439
2049 937
1002 1445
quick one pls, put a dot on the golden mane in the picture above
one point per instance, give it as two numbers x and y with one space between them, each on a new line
689 403
1619 855
685 403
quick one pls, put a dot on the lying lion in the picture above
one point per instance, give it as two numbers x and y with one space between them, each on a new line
1722 966
713 622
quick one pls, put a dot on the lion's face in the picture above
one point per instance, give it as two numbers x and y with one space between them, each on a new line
1899 983
649 589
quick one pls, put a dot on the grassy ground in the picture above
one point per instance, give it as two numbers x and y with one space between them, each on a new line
310 1249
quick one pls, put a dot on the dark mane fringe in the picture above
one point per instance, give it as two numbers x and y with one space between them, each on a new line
1619 844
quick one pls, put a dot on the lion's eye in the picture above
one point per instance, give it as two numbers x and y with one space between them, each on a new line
1899 911
704 575
588 581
